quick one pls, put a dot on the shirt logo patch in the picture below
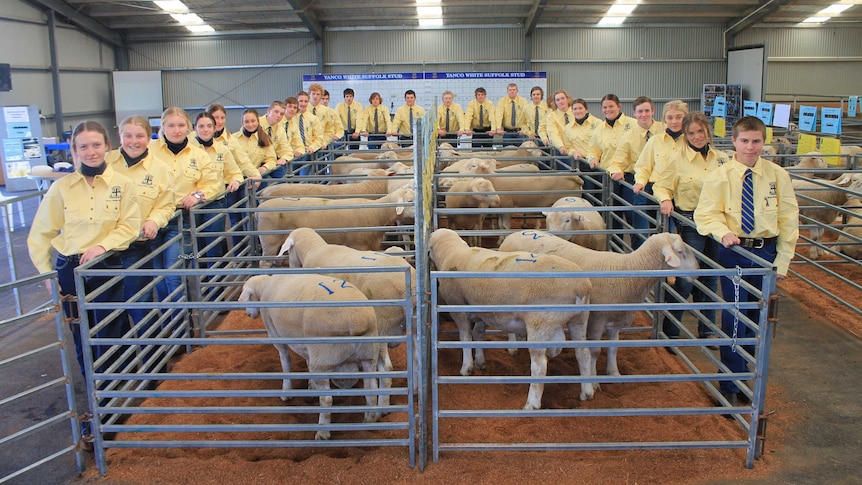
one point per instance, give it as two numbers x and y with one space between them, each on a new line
772 191
148 180
220 157
193 164
116 192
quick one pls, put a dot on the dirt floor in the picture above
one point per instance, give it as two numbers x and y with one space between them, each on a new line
362 465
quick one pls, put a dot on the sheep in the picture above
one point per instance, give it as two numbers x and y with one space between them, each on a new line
819 209
811 160
544 191
307 322
849 246
364 188
466 166
346 216
482 197
345 163
307 249
512 155
450 253
659 251
578 220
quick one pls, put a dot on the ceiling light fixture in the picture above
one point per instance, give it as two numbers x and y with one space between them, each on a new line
835 9
187 18
815 20
200 29
172 6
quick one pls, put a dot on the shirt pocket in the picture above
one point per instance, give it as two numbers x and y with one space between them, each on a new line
191 173
147 192
111 210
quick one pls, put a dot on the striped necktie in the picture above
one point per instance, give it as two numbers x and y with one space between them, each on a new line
536 122
269 131
447 120
648 135
481 116
302 131
748 203
376 122
566 117
513 121
349 124
314 111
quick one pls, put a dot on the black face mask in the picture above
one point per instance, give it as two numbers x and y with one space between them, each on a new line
176 147
207 143
89 171
132 161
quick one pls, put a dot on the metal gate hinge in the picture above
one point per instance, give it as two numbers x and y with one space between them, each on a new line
772 311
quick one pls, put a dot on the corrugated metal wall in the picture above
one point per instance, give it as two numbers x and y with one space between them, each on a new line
824 61
85 66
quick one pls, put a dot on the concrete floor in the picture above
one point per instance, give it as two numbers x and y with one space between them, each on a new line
815 364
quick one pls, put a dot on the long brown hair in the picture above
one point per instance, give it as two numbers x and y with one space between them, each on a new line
263 140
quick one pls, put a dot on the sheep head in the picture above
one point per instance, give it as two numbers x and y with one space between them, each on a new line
481 188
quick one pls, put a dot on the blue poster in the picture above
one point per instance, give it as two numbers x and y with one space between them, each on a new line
749 108
807 118
851 106
719 107
830 121
764 112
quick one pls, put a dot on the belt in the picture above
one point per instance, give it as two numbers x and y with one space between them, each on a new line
756 242
688 214
482 130
513 130
74 258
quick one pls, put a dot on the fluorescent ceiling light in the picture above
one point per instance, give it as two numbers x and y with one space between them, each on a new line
172 6
430 22
199 29
428 2
612 20
621 9
834 9
815 20
430 11
187 18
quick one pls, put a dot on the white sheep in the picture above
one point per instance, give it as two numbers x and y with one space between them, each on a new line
533 191
307 322
481 196
849 246
477 166
345 216
450 253
365 188
659 252
578 220
344 164
820 208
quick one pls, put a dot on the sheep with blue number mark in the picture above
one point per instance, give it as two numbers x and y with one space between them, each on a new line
450 253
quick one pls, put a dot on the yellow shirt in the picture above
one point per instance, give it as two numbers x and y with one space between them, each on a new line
606 139
154 184
456 118
631 145
401 122
293 138
682 182
355 109
225 166
367 122
776 213
503 112
192 169
74 217
278 135
556 125
259 156
239 155
312 128
576 136
471 116
332 127
528 121
658 154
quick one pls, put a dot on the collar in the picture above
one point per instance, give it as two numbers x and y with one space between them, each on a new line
218 133
207 144
132 161
613 121
176 148
740 167
247 133
673 134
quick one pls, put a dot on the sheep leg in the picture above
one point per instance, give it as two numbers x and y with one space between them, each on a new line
538 368
384 364
325 402
478 336
816 234
578 332
613 334
464 335
513 337
284 357
370 386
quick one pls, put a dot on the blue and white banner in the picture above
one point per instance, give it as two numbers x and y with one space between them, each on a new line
807 118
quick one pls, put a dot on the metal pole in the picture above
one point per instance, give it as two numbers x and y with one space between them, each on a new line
423 209
55 75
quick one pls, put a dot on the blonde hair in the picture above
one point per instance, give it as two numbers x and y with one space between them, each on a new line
137 121
85 126
697 118
676 105
316 87
175 111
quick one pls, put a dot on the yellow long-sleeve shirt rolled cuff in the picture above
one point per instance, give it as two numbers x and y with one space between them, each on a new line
74 217
776 212
556 125
154 184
